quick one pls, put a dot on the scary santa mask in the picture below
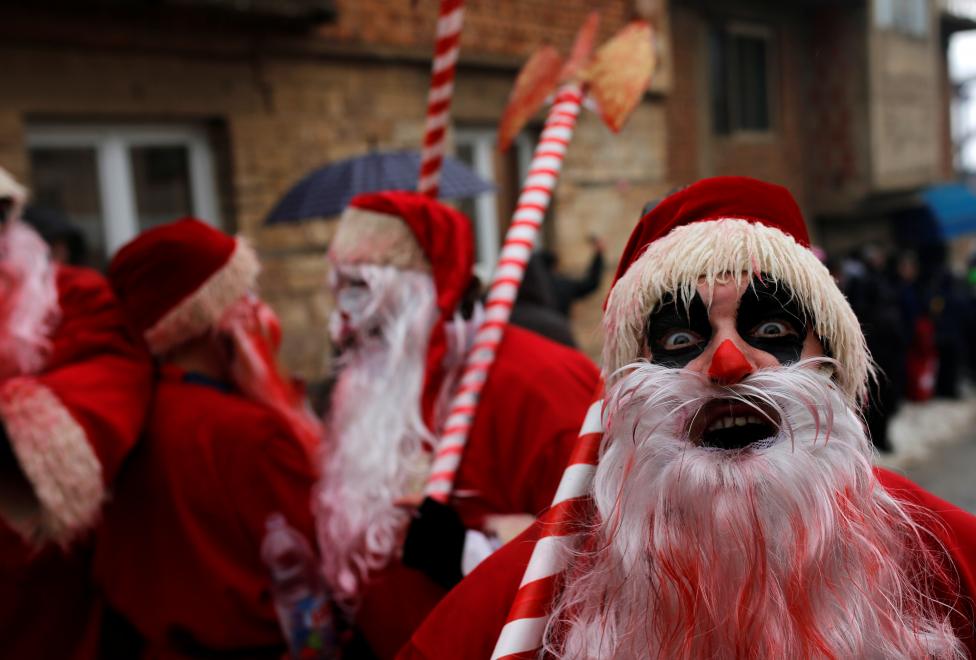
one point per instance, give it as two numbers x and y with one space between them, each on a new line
735 512
400 266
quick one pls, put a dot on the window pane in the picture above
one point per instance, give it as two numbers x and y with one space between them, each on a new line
748 61
719 69
65 179
161 177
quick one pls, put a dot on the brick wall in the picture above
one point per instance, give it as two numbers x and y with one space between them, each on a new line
697 151
277 113
507 28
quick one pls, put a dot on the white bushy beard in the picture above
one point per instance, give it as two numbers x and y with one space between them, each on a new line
376 436
788 549
28 300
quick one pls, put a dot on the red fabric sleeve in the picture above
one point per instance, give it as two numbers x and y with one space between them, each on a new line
273 473
533 404
466 623
956 531
72 425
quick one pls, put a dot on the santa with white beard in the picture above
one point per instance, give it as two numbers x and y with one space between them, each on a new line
734 511
74 386
405 316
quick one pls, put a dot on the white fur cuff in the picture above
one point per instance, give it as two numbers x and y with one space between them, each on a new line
55 456
204 307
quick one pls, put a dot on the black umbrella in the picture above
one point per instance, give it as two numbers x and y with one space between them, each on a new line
327 190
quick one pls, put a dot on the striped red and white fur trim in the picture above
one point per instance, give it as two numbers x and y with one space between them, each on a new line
676 262
381 239
55 456
199 311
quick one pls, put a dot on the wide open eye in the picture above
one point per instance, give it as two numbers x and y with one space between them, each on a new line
677 333
680 340
773 329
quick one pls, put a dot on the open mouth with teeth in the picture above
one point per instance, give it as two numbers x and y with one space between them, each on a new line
732 424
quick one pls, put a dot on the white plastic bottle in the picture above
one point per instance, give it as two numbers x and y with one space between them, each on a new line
300 597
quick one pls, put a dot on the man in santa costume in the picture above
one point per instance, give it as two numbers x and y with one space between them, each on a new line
74 386
406 312
226 445
733 511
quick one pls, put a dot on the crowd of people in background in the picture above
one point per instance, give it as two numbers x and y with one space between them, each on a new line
919 318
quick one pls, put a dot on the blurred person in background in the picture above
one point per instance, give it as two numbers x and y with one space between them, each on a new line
875 302
567 289
405 318
535 308
74 387
945 298
922 358
228 442
67 241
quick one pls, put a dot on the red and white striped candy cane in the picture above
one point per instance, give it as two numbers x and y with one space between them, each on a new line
519 241
522 635
450 19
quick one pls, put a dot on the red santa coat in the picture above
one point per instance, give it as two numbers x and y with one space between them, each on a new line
178 554
534 401
466 624
69 428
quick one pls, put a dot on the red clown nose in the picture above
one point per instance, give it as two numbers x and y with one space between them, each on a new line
729 365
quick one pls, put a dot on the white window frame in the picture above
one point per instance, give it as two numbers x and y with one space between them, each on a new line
909 17
483 144
111 144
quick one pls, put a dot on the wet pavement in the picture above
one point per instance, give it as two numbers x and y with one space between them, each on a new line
935 446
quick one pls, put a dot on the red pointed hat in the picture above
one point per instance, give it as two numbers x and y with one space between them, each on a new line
175 281
719 226
411 231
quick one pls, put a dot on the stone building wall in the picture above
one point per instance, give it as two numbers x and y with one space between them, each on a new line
278 105
906 106
697 149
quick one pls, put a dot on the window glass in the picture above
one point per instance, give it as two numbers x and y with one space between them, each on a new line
740 79
65 179
161 179
747 56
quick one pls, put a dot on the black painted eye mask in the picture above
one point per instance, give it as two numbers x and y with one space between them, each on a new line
676 335
769 318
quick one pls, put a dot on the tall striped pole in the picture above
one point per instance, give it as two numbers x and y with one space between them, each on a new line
521 637
448 45
516 250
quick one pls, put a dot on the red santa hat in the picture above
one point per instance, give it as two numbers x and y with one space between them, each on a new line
175 281
411 231
728 225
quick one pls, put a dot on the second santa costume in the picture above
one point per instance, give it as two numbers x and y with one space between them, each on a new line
733 510
179 553
74 387
402 269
